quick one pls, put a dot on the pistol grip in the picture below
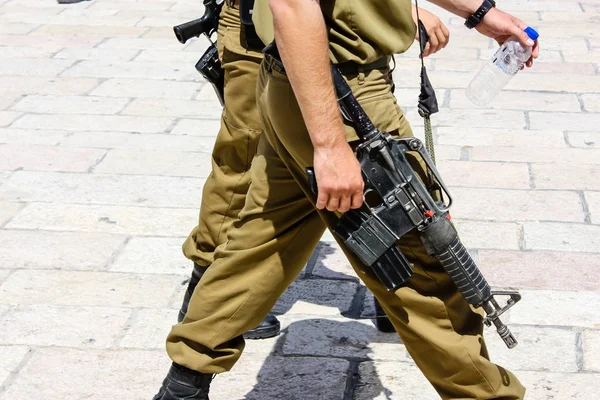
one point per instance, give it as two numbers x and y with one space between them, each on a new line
312 180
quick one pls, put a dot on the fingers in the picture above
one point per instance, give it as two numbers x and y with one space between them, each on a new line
356 200
333 204
322 199
434 44
345 203
442 39
426 50
517 28
446 33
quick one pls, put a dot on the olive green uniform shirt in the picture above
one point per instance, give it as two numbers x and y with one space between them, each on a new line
361 31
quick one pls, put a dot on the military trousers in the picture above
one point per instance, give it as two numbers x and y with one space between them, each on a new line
278 229
224 192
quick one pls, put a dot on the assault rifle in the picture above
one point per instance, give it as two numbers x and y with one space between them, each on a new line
209 65
396 202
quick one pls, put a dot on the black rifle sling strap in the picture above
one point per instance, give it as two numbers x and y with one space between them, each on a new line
427 101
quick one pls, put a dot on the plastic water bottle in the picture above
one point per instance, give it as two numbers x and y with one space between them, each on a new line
496 73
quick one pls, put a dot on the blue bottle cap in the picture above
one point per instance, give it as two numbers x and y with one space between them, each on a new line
533 35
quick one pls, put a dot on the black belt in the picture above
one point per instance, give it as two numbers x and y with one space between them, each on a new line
349 67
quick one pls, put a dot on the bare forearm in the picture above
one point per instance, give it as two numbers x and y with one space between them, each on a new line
303 45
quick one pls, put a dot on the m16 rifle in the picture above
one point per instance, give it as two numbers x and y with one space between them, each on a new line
397 202
209 65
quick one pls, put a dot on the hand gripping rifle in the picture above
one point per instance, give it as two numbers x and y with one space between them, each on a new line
209 65
396 202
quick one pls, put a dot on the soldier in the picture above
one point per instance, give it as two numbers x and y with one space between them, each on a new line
225 189
280 223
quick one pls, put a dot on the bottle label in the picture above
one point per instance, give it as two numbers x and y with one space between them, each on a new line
506 61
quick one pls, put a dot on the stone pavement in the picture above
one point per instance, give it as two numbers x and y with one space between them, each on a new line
105 136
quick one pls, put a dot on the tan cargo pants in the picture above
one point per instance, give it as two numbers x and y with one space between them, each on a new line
278 229
225 189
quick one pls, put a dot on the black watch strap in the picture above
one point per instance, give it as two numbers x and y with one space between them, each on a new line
478 15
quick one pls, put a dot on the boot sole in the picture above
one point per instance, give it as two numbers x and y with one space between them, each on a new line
263 333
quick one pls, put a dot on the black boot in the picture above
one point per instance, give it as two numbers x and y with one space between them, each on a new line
197 273
382 321
269 327
183 383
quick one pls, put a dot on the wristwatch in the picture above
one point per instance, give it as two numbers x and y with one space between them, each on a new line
478 15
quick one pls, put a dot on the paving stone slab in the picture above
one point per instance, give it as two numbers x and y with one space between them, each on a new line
141 43
332 263
477 118
488 235
586 140
294 378
134 5
76 53
58 374
7 117
13 52
540 269
149 329
184 57
32 136
565 176
536 155
32 66
564 120
87 288
532 353
131 69
103 189
56 250
591 350
8 99
9 209
392 380
329 337
145 162
562 237
47 158
119 123
4 175
89 31
174 108
556 308
146 88
554 386
485 174
519 205
521 100
574 83
10 358
593 201
13 28
50 325
153 256
70 104
139 141
591 102
555 65
197 127
4 273
142 221
46 85
49 42
316 297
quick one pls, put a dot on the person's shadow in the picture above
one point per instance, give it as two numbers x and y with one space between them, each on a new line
318 357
